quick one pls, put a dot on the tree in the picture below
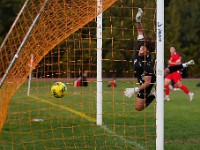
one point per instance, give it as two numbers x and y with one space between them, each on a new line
8 12
182 31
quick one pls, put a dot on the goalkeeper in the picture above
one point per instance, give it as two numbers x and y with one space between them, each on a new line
144 70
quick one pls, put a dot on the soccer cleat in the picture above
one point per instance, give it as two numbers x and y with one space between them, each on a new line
191 95
167 98
139 15
191 62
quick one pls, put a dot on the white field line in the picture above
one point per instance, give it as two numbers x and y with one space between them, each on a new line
91 119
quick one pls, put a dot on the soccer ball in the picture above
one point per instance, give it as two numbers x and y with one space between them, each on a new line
59 89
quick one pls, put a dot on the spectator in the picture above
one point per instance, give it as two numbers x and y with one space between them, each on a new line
81 80
112 83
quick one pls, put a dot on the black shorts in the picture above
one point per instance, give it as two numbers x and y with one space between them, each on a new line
145 93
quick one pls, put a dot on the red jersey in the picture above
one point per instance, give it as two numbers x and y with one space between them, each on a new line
175 76
175 58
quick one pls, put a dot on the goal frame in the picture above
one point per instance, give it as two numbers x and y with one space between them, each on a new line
159 71
160 75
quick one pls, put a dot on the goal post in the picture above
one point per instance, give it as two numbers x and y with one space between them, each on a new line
160 76
99 64
70 37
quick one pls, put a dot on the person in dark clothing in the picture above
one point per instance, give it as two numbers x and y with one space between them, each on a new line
82 80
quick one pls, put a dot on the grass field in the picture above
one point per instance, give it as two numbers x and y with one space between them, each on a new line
182 120
69 123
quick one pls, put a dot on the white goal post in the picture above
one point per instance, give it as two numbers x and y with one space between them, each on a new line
160 76
159 70
99 64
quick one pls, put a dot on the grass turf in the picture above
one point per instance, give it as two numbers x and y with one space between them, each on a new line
69 123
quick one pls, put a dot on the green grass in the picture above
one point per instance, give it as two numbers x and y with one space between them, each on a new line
182 120
69 123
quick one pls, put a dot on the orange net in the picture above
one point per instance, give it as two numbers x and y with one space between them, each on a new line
55 20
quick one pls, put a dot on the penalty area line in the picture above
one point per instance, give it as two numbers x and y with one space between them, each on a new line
78 113
65 108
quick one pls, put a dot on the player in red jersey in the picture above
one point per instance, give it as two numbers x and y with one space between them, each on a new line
175 59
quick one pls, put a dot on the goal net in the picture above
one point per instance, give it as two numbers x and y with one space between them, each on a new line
53 41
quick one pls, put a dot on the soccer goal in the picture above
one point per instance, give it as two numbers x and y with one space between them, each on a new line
63 41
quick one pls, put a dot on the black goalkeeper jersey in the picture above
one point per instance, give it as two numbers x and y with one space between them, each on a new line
143 67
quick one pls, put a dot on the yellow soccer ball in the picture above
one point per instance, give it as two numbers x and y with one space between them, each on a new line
59 89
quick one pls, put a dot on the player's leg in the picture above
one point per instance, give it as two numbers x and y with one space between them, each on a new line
172 69
185 89
144 98
166 84
176 88
182 87
142 103
149 99
140 28
139 104
171 85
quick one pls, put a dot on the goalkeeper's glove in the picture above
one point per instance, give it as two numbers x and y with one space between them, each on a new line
129 92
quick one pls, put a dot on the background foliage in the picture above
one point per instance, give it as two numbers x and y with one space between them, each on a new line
181 28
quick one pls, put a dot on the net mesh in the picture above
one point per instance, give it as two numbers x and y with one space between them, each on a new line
62 46
58 20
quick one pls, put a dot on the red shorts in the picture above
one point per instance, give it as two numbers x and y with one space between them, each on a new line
175 76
